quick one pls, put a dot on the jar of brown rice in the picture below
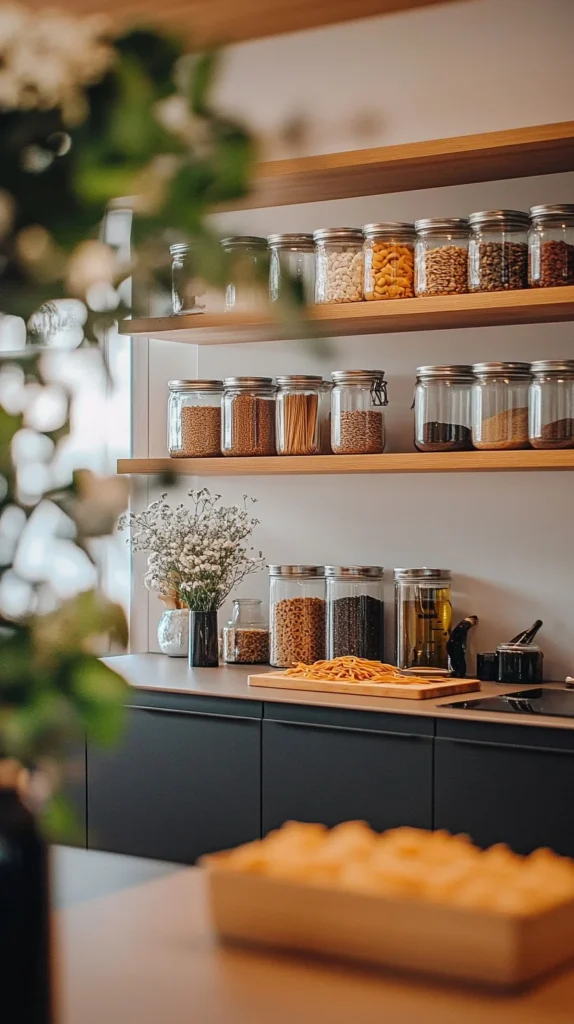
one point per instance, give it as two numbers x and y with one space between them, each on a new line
194 418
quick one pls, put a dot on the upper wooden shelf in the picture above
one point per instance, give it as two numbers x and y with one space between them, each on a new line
490 309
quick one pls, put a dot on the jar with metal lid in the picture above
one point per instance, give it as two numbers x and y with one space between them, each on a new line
357 418
519 663
441 256
551 404
442 408
389 258
297 614
186 288
245 638
551 246
423 616
297 418
500 406
248 416
338 265
291 266
355 611
498 250
247 286
194 418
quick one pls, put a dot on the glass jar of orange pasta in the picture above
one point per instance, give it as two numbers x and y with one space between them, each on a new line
389 260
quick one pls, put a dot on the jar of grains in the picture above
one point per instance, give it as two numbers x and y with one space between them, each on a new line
297 417
355 611
500 406
357 418
551 246
247 286
186 289
441 256
389 257
248 420
291 266
338 265
246 636
498 250
297 613
442 408
551 404
194 418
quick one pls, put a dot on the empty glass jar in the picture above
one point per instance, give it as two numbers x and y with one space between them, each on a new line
248 419
194 418
389 258
357 418
297 614
423 616
498 250
355 611
441 256
298 414
291 266
246 636
551 404
186 289
247 285
338 265
500 406
443 408
551 246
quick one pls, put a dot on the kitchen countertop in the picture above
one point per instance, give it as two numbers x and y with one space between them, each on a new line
173 675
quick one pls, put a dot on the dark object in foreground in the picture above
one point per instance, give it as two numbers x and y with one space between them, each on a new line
456 646
203 642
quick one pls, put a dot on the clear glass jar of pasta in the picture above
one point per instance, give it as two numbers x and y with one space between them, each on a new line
298 414
297 614
338 265
389 258
248 416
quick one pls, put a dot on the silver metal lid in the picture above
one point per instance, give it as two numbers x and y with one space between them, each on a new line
357 376
442 226
413 575
303 243
244 242
299 380
389 229
338 235
354 571
501 369
195 385
553 366
453 372
244 383
552 210
500 218
180 248
518 649
309 571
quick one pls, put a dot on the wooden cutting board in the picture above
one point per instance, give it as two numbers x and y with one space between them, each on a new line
417 689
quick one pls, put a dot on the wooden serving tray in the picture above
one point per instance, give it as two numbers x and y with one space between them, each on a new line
415 690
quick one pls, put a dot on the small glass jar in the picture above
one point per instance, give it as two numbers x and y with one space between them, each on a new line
186 289
441 256
442 408
338 265
248 417
194 419
246 636
389 258
551 404
297 419
498 251
500 406
357 418
551 246
297 614
423 616
247 286
355 611
291 266
519 663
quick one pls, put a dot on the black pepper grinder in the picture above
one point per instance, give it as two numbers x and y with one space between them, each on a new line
456 646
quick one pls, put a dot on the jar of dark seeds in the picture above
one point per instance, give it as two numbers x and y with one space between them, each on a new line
248 420
441 256
194 418
551 246
500 406
551 404
442 408
357 418
498 251
297 612
355 611
246 637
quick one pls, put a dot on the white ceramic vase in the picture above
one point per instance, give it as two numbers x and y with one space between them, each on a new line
173 632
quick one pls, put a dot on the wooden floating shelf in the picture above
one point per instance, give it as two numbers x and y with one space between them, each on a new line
410 462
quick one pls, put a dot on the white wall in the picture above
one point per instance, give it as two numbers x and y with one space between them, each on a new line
476 66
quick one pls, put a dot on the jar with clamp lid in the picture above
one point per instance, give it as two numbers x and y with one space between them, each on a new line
247 286
423 616
551 404
297 614
246 637
291 266
186 289
442 405
298 414
389 258
338 265
248 416
355 611
357 418
441 256
500 406
498 251
194 418
551 246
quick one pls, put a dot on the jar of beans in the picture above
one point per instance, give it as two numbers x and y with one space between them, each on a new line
357 418
355 611
498 250
248 418
551 404
297 614
442 408
441 256
338 265
245 638
186 289
298 411
500 406
389 257
551 246
247 286
291 267
194 418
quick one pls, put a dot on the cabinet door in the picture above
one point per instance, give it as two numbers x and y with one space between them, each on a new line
179 785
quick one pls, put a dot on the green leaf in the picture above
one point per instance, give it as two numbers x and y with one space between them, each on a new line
203 77
59 821
101 693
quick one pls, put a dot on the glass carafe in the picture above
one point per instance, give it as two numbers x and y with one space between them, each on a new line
246 636
423 615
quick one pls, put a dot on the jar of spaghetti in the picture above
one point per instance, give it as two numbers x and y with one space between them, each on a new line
248 416
298 412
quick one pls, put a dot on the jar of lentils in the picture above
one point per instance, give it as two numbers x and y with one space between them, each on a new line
291 266
298 411
194 418
246 637
389 257
186 289
442 408
297 614
357 418
551 404
338 265
500 406
355 611
551 246
441 256
498 250
247 286
248 416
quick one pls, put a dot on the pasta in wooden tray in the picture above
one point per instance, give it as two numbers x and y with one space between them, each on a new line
350 669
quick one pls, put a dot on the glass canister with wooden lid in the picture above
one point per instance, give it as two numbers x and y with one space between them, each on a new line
423 617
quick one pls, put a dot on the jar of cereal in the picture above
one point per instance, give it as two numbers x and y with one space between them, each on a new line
338 265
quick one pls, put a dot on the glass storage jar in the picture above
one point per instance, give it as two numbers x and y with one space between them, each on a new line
500 406
297 418
423 615
551 246
389 258
441 256
442 408
355 611
498 250
194 418
247 286
338 265
357 418
248 417
186 289
551 404
291 265
297 614
246 636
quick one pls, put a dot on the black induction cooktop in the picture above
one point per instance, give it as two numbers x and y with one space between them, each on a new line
534 701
